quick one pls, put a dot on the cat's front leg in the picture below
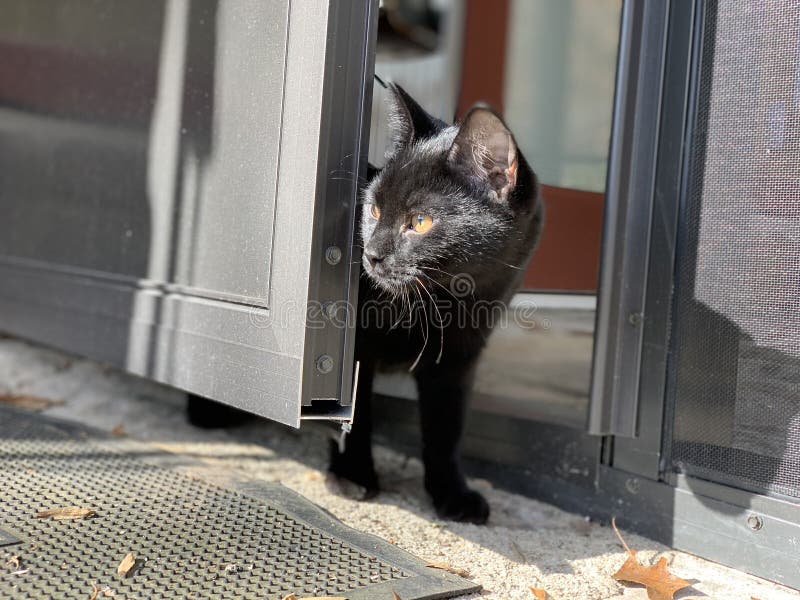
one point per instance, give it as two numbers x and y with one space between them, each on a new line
355 463
443 399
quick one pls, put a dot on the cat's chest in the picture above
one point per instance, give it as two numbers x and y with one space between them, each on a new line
405 332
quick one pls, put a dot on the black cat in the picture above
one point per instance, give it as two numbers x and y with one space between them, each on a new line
448 227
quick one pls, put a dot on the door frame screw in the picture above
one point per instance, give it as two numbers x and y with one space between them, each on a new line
333 254
324 364
755 522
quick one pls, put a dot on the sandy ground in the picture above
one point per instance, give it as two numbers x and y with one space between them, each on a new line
527 543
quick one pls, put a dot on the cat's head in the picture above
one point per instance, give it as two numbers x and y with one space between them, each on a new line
449 200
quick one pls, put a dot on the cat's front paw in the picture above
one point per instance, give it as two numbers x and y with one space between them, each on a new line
356 478
467 506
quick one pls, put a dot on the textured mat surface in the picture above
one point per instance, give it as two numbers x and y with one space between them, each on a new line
191 539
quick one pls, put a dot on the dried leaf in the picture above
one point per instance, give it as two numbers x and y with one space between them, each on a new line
67 512
450 569
118 430
13 562
95 591
619 536
539 593
290 597
396 596
127 564
660 583
28 402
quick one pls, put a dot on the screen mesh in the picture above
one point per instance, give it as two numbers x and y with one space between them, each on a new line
736 342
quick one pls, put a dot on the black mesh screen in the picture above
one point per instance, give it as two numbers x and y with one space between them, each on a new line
736 342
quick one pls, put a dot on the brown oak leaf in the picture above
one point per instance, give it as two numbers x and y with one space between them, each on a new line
659 582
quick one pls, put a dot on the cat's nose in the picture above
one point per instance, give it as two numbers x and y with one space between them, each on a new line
373 256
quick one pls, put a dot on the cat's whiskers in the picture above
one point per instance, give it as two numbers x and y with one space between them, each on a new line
406 304
432 280
448 273
424 332
441 321
349 173
506 264
452 277
404 298
361 179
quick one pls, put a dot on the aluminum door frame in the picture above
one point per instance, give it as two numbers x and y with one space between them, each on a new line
628 212
642 454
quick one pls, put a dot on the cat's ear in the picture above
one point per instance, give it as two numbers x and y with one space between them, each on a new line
408 121
486 149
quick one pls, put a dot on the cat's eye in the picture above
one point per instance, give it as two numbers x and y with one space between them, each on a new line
375 211
421 223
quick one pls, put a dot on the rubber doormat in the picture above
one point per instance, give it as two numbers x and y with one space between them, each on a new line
190 539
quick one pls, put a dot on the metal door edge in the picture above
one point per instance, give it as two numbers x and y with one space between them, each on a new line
627 218
342 167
